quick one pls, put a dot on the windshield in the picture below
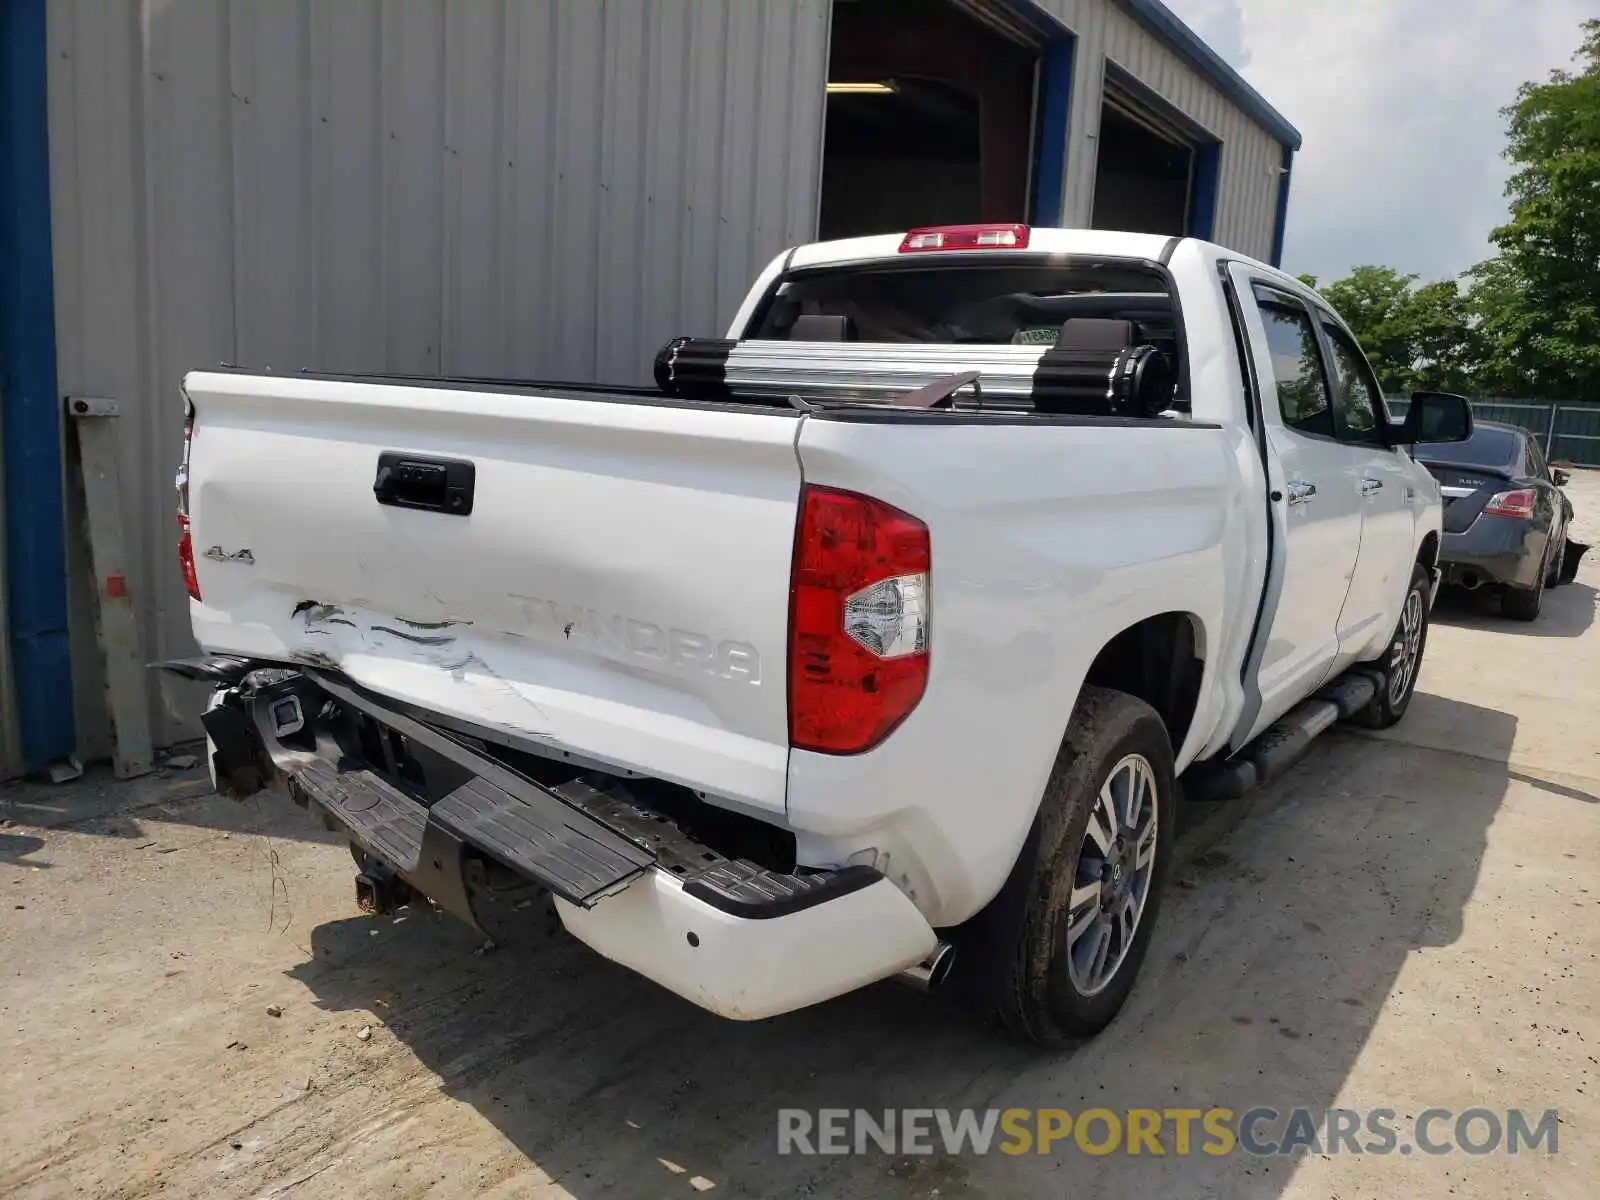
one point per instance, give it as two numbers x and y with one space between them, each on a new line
1003 304
1487 447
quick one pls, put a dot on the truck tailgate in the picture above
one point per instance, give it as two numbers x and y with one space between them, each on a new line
619 590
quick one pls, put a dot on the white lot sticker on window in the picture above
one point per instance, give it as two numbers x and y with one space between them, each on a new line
1037 335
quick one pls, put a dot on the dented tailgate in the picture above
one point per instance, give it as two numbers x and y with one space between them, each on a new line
598 574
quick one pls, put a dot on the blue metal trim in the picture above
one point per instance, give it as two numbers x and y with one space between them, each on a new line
1159 20
1203 199
1282 220
36 567
1055 116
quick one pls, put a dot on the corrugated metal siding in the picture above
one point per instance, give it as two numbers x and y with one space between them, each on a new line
491 187
1247 194
497 187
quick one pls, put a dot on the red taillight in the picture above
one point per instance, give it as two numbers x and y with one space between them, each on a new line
966 237
185 538
186 557
1517 503
858 621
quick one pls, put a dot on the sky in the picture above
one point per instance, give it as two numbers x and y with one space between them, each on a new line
1398 102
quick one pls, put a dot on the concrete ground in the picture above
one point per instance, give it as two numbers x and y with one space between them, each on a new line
1407 921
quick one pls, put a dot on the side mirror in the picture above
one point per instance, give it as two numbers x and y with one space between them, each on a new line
1434 417
1561 477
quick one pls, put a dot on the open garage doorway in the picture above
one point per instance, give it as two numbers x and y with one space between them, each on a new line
1155 172
930 116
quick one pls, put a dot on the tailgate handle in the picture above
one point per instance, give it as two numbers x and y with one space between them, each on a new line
441 485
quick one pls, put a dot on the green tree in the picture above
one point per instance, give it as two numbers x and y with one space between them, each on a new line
1445 342
1416 337
1539 305
1504 322
1375 302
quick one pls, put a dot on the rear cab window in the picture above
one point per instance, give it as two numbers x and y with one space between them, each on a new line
969 303
1013 310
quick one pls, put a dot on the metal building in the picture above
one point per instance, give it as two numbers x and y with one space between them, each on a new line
506 187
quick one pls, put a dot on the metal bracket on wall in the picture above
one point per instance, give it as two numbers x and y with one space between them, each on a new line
116 621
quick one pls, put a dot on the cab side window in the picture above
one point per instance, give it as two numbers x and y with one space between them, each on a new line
1357 402
1296 365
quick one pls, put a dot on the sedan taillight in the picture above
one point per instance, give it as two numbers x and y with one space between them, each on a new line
1515 503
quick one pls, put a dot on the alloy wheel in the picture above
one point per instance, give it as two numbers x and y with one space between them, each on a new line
1111 884
1407 648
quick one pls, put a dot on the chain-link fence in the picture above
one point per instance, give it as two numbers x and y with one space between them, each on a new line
1568 430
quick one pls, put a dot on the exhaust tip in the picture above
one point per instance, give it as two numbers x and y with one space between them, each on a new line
1471 580
931 971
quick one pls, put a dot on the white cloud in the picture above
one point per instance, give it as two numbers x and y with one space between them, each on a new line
1398 101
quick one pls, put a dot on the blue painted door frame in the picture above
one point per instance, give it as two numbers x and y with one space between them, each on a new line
1054 112
1281 220
35 535
1055 116
1203 190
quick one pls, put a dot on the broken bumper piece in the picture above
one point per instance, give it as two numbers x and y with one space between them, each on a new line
738 939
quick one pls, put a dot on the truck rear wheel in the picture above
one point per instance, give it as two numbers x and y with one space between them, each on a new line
1058 950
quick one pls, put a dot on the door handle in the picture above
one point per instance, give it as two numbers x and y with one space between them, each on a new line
1370 486
1301 490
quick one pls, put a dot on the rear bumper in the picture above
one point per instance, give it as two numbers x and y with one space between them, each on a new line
739 940
747 969
1494 550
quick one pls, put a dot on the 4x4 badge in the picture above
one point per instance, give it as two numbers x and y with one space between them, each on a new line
244 557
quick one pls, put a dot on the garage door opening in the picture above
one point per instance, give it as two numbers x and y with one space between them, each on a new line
929 119
1153 172
900 158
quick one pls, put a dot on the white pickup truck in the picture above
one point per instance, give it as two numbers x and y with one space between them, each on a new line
880 638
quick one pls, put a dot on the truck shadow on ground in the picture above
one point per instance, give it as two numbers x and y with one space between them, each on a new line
16 848
1568 611
1275 952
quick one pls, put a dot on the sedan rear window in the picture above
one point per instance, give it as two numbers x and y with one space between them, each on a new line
1487 447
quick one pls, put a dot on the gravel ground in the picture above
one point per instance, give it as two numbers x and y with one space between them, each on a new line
192 1005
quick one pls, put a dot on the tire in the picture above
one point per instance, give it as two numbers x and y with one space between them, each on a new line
1556 575
1020 964
1524 604
1401 663
1567 568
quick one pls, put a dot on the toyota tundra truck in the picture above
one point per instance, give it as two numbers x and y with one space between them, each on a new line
881 637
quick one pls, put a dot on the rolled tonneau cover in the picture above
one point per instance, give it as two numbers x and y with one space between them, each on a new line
1125 381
